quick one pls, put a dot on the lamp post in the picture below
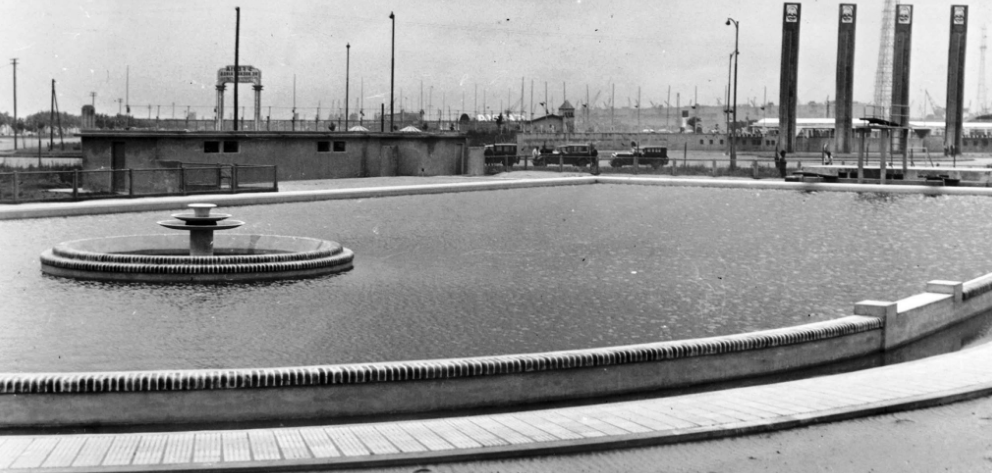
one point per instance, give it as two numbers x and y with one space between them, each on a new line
347 71
726 108
733 140
392 71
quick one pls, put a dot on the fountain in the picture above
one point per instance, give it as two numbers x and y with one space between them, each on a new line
201 226
171 258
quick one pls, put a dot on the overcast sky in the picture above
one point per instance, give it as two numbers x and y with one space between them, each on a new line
174 49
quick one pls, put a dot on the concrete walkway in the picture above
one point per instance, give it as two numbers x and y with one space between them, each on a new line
927 382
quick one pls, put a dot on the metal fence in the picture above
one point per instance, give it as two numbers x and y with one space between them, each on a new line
186 179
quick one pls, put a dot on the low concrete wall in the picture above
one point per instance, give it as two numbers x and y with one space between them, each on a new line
378 389
190 396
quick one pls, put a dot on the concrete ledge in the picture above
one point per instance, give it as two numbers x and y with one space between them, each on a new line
67 209
195 380
378 389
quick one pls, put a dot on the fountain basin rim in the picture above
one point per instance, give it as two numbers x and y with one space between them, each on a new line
240 258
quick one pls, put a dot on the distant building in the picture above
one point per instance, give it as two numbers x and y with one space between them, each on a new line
547 124
298 155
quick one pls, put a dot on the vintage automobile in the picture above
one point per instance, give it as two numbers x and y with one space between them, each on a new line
655 156
501 154
573 154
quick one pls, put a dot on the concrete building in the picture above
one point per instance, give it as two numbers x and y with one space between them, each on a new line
298 155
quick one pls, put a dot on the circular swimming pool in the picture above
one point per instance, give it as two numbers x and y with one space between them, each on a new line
494 272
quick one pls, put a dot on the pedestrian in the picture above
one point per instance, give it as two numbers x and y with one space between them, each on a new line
781 164
534 155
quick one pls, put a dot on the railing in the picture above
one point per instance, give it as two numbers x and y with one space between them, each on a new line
53 186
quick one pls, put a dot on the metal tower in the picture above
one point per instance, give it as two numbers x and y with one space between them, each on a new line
982 90
883 73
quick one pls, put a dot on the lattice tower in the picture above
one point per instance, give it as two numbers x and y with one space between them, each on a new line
883 73
982 90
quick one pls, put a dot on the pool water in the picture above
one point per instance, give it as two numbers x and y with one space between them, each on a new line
494 272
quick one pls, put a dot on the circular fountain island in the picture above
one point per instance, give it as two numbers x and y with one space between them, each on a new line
200 257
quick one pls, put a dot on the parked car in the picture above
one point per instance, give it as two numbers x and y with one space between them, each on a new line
501 153
655 156
573 154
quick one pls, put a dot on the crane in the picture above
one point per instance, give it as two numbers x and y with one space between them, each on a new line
937 111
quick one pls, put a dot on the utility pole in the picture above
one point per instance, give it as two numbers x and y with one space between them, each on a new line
237 72
392 71
613 107
347 72
51 120
14 62
668 110
93 100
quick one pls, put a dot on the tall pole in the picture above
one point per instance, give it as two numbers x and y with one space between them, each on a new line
668 108
392 70
733 124
347 72
955 75
726 109
51 120
237 73
14 62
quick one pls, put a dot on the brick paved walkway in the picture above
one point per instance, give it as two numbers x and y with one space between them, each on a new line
931 381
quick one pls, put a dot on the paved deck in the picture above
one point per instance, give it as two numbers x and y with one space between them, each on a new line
932 381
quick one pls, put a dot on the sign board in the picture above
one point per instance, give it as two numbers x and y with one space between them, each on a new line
246 74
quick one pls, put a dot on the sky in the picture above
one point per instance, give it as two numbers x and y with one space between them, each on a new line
462 54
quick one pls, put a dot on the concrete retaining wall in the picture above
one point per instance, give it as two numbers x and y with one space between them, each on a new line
379 389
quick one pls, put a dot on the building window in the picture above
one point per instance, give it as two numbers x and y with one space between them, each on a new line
721 142
701 142
339 146
323 146
230 146
711 141
211 146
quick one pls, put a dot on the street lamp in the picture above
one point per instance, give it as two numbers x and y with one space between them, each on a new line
392 70
733 144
